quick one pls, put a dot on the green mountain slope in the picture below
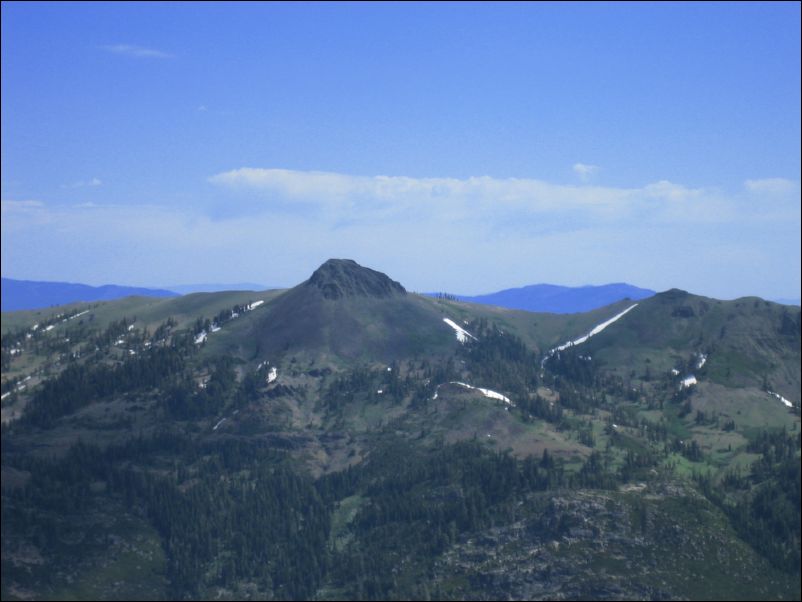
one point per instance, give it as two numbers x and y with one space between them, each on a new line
337 440
747 342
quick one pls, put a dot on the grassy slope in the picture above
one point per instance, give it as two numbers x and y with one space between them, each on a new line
351 331
149 311
541 331
747 340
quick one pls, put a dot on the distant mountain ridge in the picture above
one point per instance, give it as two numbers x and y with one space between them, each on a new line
31 294
216 287
556 299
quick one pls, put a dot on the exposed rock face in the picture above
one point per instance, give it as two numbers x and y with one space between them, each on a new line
339 278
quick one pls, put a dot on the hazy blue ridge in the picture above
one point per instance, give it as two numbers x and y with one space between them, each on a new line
559 299
185 289
785 301
31 294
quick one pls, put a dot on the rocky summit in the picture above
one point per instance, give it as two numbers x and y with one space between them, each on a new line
339 278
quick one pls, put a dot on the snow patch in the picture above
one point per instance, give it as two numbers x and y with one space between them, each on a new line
4 395
255 304
674 372
596 330
272 375
781 398
688 381
701 361
201 337
130 327
215 328
486 392
49 328
222 420
462 334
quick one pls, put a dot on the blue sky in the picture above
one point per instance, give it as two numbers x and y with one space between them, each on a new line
459 147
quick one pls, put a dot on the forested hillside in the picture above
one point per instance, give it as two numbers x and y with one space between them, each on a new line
349 440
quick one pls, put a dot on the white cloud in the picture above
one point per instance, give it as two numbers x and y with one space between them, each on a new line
90 243
467 235
585 171
477 198
10 204
771 186
137 51
93 183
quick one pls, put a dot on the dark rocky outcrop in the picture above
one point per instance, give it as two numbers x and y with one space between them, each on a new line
339 278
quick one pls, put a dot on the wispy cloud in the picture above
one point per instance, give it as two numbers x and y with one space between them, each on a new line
11 205
466 235
476 198
487 250
93 183
585 171
771 185
139 52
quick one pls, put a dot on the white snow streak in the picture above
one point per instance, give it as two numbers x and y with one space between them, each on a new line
272 375
486 392
781 398
596 330
462 334
222 420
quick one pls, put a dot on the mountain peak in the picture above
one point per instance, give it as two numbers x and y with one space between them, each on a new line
338 278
